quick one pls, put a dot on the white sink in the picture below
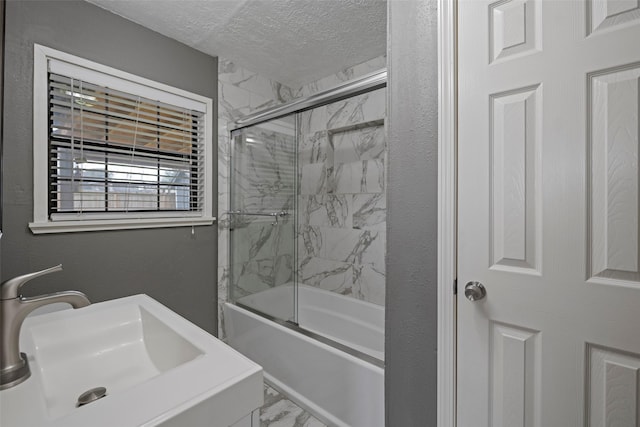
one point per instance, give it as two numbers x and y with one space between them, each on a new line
157 368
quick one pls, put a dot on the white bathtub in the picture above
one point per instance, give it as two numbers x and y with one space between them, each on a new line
342 390
356 324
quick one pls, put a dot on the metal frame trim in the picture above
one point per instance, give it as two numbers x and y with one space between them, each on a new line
366 83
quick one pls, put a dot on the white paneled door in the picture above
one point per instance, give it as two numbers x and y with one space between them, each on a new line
548 213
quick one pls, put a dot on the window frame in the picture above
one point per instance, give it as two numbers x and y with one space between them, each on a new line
42 222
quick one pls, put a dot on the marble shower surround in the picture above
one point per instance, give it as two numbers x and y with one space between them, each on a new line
342 200
241 92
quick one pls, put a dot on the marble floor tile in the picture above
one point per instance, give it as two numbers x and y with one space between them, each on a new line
278 411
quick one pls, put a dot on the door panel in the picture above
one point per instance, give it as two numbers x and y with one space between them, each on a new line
613 142
514 143
548 212
613 387
515 362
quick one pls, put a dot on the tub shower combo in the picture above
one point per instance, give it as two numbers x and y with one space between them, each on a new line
307 249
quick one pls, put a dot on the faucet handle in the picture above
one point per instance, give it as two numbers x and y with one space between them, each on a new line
11 288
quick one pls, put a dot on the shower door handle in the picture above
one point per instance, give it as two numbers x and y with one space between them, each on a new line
274 215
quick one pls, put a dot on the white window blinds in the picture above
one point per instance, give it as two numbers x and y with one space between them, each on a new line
119 152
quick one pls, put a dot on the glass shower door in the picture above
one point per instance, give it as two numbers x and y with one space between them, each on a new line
262 253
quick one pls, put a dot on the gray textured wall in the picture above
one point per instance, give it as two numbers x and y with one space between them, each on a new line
411 324
169 264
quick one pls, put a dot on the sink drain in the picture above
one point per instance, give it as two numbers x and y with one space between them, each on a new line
91 395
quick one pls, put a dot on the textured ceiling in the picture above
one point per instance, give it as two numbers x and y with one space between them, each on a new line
291 41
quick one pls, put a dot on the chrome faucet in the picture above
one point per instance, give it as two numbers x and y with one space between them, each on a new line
14 308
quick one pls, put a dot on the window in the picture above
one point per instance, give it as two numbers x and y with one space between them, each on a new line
113 150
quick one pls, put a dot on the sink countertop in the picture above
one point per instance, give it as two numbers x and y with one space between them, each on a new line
217 384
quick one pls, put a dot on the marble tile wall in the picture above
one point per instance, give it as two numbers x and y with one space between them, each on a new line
342 200
352 196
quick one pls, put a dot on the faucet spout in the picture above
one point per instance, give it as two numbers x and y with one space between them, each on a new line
75 298
14 308
11 288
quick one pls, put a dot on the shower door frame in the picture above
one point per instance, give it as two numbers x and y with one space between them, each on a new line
367 83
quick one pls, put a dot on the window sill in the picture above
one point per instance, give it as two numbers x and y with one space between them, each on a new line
116 224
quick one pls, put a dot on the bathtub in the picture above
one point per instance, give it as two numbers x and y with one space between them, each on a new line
339 388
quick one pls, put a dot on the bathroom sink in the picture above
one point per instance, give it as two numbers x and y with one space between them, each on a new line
158 369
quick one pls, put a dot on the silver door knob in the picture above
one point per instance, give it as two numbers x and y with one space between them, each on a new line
474 291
